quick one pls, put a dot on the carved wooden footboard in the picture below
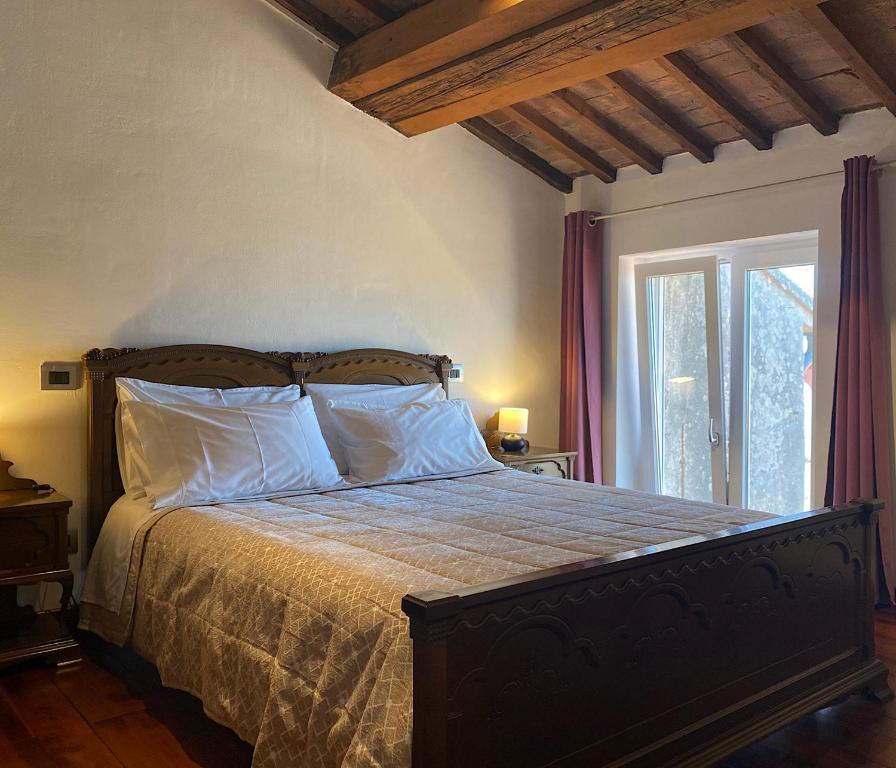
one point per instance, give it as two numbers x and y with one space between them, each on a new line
671 655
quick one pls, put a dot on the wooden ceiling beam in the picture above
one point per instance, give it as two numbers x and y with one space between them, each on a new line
432 35
550 133
835 21
767 65
617 137
517 75
372 14
500 141
310 14
688 74
626 90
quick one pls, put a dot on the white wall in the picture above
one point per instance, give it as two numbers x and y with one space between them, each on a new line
798 207
175 171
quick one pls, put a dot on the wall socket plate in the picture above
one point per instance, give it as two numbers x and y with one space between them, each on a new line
60 375
456 373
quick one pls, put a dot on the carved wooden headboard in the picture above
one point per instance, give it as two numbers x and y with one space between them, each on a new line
209 365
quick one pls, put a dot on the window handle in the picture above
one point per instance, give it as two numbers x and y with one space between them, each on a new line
714 437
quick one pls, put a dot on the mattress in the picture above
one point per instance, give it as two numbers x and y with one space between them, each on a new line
283 615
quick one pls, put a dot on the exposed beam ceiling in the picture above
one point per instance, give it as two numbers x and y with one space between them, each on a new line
532 120
650 108
305 11
432 35
750 45
837 24
575 106
538 63
372 13
683 69
517 152
566 87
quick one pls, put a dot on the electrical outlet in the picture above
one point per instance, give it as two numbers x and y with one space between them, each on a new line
60 375
73 541
456 374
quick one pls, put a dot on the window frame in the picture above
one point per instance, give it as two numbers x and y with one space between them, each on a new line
708 266
789 250
743 260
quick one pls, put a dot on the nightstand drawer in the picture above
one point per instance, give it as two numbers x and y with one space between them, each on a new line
551 468
546 462
27 543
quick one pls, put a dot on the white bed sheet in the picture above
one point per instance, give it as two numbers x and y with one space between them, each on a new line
107 573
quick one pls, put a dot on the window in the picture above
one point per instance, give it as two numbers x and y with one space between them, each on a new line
725 349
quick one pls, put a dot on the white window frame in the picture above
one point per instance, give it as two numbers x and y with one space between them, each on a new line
762 253
708 266
743 260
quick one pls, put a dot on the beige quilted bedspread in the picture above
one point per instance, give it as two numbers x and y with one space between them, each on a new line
284 616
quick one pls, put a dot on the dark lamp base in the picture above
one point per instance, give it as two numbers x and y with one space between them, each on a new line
514 444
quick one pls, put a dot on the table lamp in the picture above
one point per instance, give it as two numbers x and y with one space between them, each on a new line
514 422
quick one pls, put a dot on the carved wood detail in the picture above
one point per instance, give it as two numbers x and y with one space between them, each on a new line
211 365
635 660
10 483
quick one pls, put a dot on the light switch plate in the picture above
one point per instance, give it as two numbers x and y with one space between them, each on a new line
456 374
60 375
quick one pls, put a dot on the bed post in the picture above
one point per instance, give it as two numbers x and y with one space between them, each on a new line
432 615
96 365
879 687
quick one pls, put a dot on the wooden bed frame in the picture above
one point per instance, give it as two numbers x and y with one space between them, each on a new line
671 655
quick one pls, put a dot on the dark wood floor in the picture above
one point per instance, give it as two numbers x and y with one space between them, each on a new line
111 710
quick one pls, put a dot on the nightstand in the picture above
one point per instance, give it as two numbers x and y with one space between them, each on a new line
34 548
539 461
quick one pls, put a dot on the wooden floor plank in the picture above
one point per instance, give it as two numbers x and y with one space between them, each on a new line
96 693
19 748
50 717
138 740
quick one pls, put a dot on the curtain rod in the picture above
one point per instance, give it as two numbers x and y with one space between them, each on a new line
592 220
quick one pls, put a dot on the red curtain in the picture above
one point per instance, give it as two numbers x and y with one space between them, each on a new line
580 356
859 459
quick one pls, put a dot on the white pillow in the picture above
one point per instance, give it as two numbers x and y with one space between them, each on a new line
367 395
131 463
197 454
413 440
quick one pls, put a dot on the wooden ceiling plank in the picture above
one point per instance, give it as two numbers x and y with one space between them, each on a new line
310 14
500 141
617 137
767 65
688 74
658 114
372 13
832 21
550 133
432 35
635 51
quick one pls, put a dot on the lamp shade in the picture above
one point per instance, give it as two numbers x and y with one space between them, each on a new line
514 421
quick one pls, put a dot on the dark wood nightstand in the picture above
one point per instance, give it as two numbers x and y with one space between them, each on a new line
539 461
34 548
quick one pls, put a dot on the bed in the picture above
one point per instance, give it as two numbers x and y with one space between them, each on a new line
486 619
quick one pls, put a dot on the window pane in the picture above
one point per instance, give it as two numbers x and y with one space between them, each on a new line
680 387
779 388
